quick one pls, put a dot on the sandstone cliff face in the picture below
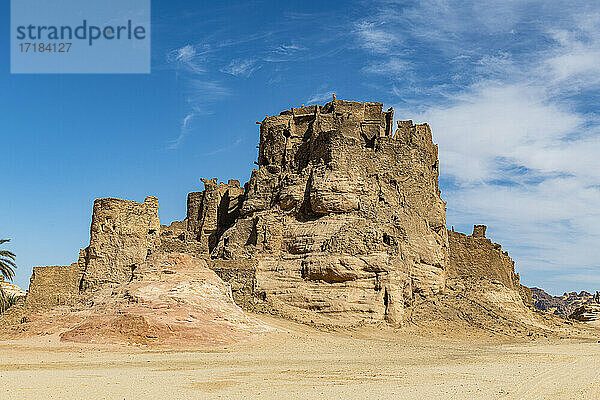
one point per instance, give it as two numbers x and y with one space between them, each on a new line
342 217
212 211
475 256
587 313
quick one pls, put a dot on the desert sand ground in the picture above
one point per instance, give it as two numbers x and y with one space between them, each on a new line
297 361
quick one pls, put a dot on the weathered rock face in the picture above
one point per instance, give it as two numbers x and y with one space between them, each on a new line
342 217
172 299
587 313
53 286
212 211
475 256
123 233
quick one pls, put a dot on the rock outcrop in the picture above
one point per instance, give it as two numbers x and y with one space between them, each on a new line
11 289
587 313
173 300
341 223
211 212
53 286
562 306
475 256
122 235
343 217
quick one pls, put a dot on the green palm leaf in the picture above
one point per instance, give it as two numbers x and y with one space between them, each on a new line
7 262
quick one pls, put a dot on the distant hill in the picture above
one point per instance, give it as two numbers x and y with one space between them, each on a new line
562 306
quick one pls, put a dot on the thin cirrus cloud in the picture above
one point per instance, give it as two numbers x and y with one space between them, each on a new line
188 58
392 65
518 140
183 132
195 67
285 52
375 37
200 90
241 67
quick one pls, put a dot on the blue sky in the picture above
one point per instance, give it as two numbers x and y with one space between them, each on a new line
510 89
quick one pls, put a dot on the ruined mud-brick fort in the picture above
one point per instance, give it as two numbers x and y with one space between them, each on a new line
341 223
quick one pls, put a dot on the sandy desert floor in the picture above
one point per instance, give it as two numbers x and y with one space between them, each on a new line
300 362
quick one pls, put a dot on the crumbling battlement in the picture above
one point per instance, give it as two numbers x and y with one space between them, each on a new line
53 286
176 238
479 231
122 235
475 256
212 211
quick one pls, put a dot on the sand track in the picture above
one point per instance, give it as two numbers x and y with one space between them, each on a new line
297 361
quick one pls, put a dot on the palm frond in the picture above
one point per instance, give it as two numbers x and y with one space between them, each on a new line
7 262
7 253
7 272
6 301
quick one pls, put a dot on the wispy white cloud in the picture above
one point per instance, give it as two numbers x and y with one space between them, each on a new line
183 132
241 67
287 49
392 66
201 91
577 57
187 57
285 52
375 38
206 91
493 121
518 141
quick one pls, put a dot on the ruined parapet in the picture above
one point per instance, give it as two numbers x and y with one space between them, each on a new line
212 211
123 233
475 256
175 238
341 218
53 286
479 231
